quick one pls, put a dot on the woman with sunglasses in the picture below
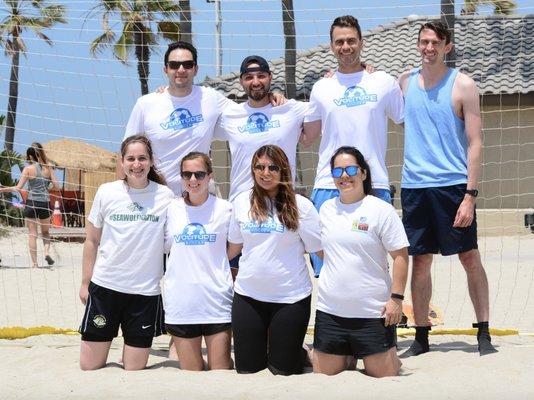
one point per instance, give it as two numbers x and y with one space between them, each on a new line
358 303
122 264
274 228
198 284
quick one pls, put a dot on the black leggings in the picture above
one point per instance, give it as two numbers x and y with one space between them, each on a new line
269 335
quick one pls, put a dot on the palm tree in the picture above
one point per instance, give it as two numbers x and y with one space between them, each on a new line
290 57
137 35
185 21
23 15
501 7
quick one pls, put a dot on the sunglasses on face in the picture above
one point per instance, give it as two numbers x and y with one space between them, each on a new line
177 64
199 175
270 167
351 170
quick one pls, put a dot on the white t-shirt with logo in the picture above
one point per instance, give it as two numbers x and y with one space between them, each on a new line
197 287
130 254
247 129
272 267
355 280
354 110
177 126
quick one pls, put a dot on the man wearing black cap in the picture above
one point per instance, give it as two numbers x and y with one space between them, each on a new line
255 123
180 118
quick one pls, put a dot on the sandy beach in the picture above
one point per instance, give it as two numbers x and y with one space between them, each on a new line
46 366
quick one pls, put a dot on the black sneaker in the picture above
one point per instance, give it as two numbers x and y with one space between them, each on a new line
49 260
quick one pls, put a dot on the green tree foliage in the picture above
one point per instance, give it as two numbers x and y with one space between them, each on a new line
502 7
143 21
23 15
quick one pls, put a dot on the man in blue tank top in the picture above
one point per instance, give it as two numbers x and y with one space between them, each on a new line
442 162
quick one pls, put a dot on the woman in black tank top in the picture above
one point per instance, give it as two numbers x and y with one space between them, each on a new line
40 178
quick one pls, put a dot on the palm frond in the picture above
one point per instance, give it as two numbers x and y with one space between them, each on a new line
169 30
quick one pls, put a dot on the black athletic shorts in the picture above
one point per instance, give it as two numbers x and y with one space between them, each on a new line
428 215
190 331
37 209
358 337
139 317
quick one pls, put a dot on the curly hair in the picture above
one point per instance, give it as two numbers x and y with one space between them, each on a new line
285 201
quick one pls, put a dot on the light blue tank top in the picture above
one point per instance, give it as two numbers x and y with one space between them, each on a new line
435 143
38 186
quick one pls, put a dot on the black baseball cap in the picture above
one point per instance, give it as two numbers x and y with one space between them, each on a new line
263 65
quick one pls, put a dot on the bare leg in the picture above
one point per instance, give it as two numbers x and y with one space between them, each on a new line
219 350
477 283
328 364
382 364
421 294
421 288
190 353
93 355
173 354
32 239
479 293
45 232
134 358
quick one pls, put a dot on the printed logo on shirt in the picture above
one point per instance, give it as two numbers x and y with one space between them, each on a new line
360 225
355 96
257 123
182 118
263 227
134 214
135 206
195 234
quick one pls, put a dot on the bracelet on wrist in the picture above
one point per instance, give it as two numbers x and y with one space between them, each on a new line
397 296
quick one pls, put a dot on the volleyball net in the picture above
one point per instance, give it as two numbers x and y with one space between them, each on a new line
77 104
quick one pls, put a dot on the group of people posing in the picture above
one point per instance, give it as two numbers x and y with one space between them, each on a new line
162 205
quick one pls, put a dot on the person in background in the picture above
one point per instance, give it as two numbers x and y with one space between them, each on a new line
40 177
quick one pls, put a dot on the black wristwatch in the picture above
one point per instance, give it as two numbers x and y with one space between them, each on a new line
397 296
472 192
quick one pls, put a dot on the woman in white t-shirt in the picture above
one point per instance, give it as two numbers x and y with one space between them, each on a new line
122 261
358 304
274 228
198 284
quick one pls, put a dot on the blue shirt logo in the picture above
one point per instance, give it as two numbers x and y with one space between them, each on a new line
257 123
195 234
181 118
355 96
263 227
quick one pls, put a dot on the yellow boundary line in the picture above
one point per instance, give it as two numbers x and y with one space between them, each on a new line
18 332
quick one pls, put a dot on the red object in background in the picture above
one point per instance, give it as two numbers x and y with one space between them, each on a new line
56 216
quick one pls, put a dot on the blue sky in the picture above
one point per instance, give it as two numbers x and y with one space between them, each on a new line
65 92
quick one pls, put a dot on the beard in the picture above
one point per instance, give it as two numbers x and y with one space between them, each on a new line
258 94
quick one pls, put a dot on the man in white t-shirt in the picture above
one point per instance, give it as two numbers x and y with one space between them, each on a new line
180 120
354 107
250 125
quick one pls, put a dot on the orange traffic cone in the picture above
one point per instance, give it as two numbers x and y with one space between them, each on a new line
56 216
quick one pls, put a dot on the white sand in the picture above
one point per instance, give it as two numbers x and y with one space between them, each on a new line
47 366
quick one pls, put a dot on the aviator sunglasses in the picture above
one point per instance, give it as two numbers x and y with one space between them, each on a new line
270 167
199 175
177 64
351 170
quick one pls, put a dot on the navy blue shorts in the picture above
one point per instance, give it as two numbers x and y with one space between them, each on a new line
358 337
190 331
139 317
428 215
